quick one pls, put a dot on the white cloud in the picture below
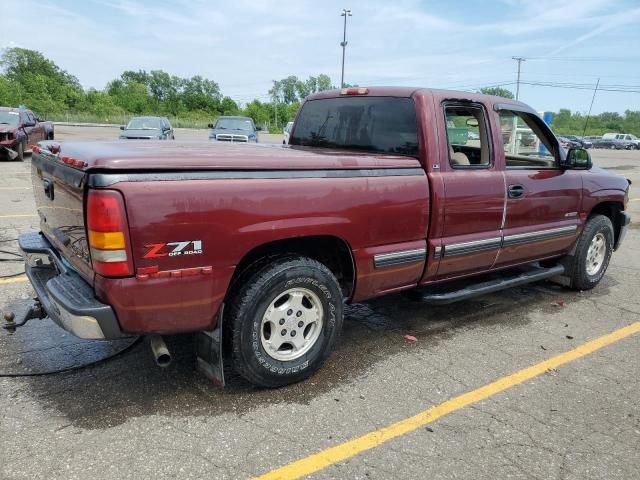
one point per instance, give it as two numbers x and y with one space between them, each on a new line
245 44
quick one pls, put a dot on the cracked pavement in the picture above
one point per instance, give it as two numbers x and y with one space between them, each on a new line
126 418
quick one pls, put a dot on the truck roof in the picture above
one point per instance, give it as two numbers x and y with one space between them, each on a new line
438 94
12 109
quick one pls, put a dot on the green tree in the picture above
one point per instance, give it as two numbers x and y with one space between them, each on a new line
497 91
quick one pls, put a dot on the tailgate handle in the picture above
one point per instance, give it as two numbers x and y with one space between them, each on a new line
48 188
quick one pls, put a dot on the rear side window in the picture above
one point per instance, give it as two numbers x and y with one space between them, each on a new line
370 124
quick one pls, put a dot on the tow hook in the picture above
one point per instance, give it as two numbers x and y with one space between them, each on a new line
34 311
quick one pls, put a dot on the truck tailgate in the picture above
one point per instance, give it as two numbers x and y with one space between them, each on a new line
59 192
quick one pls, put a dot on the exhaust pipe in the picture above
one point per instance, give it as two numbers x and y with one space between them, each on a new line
160 351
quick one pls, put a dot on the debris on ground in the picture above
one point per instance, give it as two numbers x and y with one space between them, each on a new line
410 338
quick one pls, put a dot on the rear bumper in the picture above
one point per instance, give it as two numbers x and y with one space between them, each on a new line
65 296
625 220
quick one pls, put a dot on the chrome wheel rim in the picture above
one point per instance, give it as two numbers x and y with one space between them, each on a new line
596 254
291 325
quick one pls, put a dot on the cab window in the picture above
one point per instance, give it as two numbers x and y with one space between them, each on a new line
525 144
467 136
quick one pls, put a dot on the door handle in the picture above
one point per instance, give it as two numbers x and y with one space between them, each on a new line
515 191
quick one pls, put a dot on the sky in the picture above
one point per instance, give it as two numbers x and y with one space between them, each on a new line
243 45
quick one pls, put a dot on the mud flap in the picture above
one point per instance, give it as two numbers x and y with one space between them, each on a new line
209 353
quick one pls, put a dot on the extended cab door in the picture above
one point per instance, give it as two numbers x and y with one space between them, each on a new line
474 191
543 200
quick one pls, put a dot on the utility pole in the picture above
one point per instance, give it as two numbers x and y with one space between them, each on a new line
345 13
275 110
519 60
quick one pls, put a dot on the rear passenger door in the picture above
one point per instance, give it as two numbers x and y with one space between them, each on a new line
474 194
543 201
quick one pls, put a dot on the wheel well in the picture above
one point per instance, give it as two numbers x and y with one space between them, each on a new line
610 210
331 251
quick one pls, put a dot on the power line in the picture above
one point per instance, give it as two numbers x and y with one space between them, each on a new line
589 59
582 86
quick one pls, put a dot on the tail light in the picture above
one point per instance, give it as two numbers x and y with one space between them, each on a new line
107 229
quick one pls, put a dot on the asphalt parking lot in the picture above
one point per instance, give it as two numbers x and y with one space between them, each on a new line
575 417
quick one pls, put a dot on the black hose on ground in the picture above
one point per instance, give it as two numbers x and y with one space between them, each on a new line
77 367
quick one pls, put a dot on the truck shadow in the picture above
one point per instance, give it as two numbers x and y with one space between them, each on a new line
131 385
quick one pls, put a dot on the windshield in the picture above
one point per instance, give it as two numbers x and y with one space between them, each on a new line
371 124
144 123
234 124
10 118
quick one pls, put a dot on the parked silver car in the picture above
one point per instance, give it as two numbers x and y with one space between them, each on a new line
147 128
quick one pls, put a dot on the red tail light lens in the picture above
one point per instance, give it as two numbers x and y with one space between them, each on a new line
107 232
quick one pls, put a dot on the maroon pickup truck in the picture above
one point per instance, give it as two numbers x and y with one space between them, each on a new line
258 247
20 128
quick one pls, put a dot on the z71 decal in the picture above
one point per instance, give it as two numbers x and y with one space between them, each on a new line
173 249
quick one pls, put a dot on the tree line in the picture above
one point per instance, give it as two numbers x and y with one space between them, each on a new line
28 78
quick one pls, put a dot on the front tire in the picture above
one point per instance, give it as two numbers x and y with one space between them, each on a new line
593 252
285 318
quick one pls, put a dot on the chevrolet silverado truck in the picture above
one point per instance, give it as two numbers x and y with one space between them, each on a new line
257 248
20 128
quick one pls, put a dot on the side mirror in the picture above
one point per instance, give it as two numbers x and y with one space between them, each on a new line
121 127
29 124
578 159
210 125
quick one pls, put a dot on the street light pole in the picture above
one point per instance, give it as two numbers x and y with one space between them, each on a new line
345 13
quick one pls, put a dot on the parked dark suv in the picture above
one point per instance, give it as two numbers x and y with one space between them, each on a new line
233 129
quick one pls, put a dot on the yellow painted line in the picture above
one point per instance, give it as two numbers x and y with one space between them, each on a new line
13 280
18 216
343 451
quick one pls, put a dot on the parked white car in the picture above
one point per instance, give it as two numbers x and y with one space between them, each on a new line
287 132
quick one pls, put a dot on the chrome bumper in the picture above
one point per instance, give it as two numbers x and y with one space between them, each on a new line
64 295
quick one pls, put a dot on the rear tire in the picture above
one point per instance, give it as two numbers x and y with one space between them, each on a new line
586 267
285 317
20 152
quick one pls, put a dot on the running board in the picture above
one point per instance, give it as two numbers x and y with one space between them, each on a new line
506 280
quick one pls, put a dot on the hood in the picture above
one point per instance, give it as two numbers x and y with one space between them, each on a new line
230 131
131 133
602 179
7 128
161 155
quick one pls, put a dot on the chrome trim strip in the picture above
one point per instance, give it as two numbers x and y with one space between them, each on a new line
416 255
106 179
437 252
539 235
465 248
